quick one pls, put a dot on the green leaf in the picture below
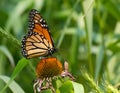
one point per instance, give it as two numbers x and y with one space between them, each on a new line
71 87
8 36
114 68
74 50
114 10
4 50
17 12
21 64
78 88
99 61
88 13
15 88
66 87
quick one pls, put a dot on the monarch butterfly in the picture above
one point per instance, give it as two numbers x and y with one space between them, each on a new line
38 41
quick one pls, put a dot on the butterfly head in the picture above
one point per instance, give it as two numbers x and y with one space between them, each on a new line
51 51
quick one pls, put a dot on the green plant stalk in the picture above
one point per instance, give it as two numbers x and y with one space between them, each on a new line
102 23
88 28
89 52
74 51
103 43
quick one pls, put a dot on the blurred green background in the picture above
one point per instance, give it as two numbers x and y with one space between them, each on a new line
86 33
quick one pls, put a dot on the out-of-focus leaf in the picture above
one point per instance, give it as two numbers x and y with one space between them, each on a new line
14 87
99 61
114 68
88 13
113 44
4 50
39 4
113 8
74 50
117 28
7 35
17 12
21 64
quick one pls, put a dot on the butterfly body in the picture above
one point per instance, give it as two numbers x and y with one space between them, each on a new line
38 41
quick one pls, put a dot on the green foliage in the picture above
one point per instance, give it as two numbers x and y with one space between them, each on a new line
86 33
14 87
69 86
21 64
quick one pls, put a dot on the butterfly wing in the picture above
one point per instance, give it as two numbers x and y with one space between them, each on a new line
38 41
38 24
